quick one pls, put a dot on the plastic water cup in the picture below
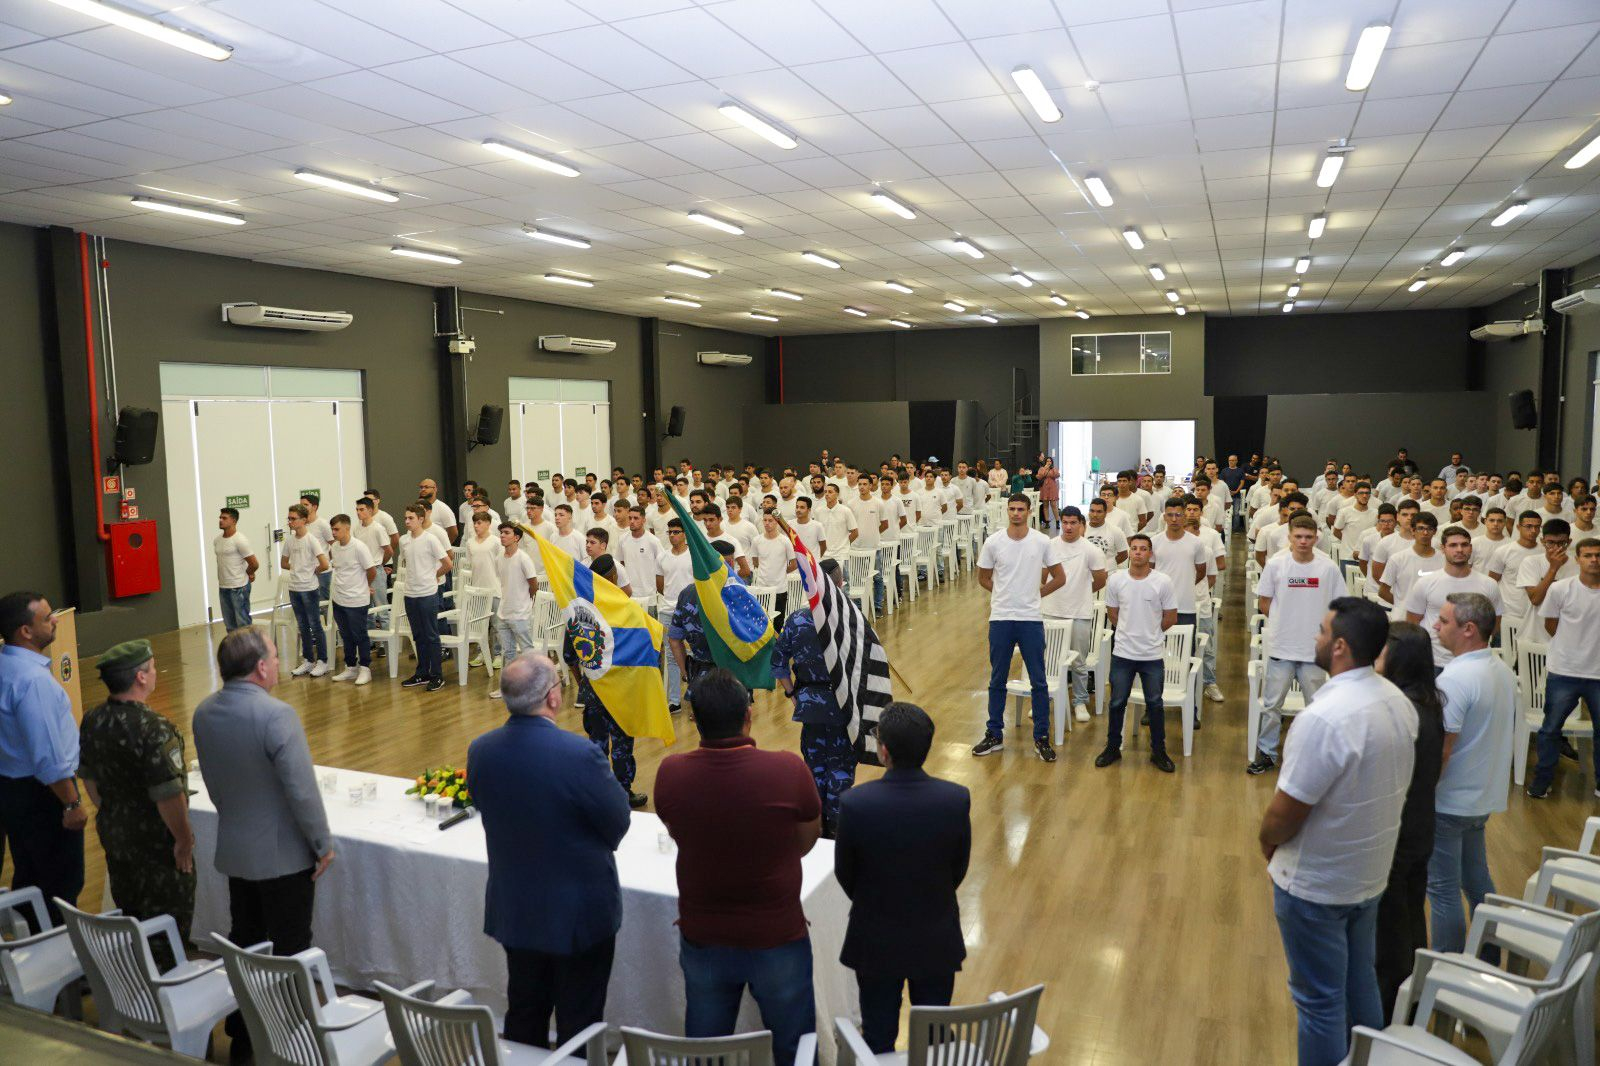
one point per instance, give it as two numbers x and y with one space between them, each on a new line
369 789
430 806
356 795
329 780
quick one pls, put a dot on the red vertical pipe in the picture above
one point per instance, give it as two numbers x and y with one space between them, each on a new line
94 392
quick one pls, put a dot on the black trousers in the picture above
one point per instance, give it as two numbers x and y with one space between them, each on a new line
1402 927
880 1003
571 986
43 853
276 909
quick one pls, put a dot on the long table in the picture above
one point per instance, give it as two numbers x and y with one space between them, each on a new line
403 902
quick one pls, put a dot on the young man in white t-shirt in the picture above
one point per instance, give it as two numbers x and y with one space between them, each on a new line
567 538
1371 538
319 528
677 574
1353 519
840 526
425 560
1141 605
1539 572
1083 567
597 542
1506 564
370 531
1106 535
512 506
808 530
1571 615
1489 539
1016 569
1294 592
736 526
386 520
774 558
353 569
715 530
1181 556
439 512
236 570
1406 566
306 559
1429 592
640 554
519 585
1205 617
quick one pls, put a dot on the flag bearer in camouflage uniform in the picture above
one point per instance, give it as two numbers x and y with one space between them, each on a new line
601 728
132 763
825 745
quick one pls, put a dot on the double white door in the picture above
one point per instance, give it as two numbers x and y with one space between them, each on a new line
565 437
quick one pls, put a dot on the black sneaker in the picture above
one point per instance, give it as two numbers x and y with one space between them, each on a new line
1042 748
1262 764
675 708
1108 756
435 684
637 799
1161 761
413 681
988 745
1144 719
1569 750
1538 792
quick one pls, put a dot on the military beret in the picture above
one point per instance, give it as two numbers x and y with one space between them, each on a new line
128 653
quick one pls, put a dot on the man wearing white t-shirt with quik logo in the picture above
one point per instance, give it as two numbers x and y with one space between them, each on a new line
236 570
1329 833
1083 567
1015 567
1571 615
1141 605
1294 592
1428 595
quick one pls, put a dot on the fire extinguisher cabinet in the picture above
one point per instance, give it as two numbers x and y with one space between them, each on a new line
132 559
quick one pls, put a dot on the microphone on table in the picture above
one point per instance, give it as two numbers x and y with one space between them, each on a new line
459 817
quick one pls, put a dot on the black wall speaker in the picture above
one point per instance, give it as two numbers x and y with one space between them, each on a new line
136 436
675 422
489 419
1524 415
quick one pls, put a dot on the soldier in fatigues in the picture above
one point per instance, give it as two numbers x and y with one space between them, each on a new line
603 729
686 633
825 745
132 763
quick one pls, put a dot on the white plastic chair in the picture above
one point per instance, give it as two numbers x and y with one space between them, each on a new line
944 545
548 631
290 1024
1098 661
471 626
454 1031
1510 635
177 1009
644 1048
34 967
1568 877
860 576
1000 1032
888 564
1532 672
1180 685
767 597
392 629
1058 661
920 556
1256 681
967 539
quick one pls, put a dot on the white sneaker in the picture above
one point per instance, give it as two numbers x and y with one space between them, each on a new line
303 669
1081 713
1213 693
347 674
319 669
364 676
495 695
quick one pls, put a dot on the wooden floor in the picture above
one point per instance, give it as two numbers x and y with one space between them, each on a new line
1139 899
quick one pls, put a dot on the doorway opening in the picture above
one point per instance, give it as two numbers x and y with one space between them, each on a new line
1088 451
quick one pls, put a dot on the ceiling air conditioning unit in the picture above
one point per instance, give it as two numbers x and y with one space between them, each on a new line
722 359
1582 302
575 345
263 317
1499 331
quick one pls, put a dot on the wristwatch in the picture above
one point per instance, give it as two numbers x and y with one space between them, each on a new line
74 805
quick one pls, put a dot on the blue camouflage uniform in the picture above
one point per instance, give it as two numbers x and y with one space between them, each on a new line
824 734
602 729
687 626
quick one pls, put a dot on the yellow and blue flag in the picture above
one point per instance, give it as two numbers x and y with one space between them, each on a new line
737 628
617 642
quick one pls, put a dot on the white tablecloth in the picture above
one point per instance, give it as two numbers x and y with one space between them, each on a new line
403 902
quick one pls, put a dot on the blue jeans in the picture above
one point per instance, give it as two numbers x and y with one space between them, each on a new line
324 583
1152 678
1561 696
422 612
714 980
1459 862
1331 950
235 607
1207 625
1027 637
352 623
308 616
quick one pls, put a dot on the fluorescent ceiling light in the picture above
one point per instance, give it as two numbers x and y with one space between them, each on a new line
1364 64
785 294
1131 235
555 238
885 200
167 208
1081 313
1418 285
1582 157
1294 290
899 322
1180 310
762 316
951 305
899 286
1288 305
4 99
567 279
692 271
854 311
1157 273
533 159
1302 264
1172 295
1455 256
1329 171
681 301
1022 279
431 257
1058 300
752 121
716 223
1036 94
991 319
820 259
1511 212
1097 189
148 27
964 245
1318 224
354 188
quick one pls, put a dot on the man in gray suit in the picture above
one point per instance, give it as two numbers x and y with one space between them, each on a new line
272 833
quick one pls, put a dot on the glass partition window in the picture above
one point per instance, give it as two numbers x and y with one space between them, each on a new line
1122 353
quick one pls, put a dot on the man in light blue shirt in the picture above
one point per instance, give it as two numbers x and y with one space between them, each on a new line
1479 716
40 805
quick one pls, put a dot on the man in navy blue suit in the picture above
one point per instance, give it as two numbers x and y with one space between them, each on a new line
902 850
553 817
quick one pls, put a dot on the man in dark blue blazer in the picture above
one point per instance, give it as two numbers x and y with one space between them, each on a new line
901 852
553 817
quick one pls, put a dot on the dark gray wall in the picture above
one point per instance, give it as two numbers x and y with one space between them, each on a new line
1115 444
1379 352
713 397
969 430
1364 429
1582 342
782 435
1510 366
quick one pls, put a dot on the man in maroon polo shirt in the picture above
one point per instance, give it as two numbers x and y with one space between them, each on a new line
743 818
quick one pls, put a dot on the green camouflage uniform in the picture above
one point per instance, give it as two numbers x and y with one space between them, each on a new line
136 758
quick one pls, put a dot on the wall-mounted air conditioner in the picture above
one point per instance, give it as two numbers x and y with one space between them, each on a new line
1582 302
263 317
575 345
722 359
1499 331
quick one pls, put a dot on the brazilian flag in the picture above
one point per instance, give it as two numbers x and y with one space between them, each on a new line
736 625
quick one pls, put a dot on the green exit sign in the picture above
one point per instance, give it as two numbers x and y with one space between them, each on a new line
582 470
239 502
311 492
544 475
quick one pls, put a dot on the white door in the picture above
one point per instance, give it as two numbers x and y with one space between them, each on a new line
538 446
601 413
306 454
233 468
578 449
192 566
